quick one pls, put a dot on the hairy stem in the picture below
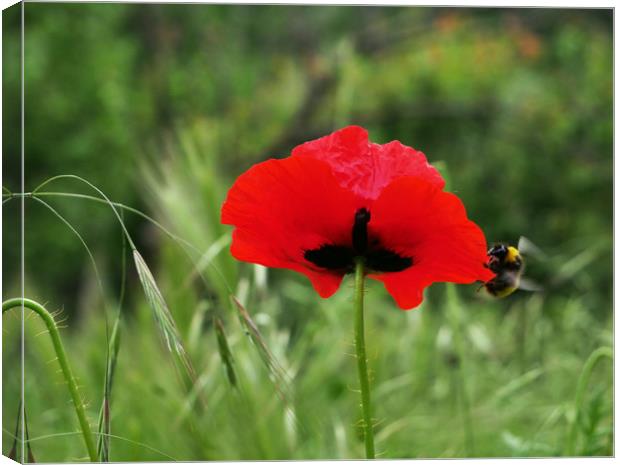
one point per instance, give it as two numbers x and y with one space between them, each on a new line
64 365
362 363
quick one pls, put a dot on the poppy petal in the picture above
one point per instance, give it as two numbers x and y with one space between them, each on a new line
416 219
282 208
406 287
364 167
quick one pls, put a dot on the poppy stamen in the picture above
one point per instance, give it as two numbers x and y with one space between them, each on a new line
360 231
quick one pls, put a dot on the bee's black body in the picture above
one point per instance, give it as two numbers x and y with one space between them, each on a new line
507 264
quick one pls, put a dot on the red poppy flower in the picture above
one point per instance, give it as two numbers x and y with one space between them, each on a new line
341 197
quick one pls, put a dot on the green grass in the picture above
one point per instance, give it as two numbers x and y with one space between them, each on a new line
414 380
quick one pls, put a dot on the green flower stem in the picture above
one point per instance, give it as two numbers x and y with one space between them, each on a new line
362 363
64 365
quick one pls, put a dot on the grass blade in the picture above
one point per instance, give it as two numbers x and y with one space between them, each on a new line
28 447
103 440
104 424
13 452
165 321
582 384
277 372
225 353
206 259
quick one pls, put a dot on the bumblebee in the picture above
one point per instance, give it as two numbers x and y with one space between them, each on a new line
508 265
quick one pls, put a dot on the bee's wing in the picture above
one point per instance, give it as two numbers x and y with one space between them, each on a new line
529 285
527 247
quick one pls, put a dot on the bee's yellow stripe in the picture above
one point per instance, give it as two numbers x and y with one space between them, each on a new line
513 254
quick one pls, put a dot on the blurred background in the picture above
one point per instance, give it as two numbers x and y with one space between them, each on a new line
163 106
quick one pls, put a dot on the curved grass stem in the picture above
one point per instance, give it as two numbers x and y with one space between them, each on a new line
64 365
184 244
362 362
96 189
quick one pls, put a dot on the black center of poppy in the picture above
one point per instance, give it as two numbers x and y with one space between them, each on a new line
341 257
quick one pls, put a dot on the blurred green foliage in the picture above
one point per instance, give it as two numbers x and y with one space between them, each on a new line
162 106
